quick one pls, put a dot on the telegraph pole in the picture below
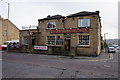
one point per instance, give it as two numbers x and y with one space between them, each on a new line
8 19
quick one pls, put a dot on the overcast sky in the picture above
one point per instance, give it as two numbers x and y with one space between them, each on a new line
27 12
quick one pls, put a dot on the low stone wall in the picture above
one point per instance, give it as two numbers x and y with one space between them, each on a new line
13 49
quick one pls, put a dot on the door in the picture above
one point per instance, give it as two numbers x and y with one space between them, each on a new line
67 44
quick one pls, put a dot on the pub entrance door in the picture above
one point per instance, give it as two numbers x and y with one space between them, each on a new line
67 42
67 45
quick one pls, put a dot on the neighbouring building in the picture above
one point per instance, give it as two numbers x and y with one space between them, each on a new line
8 31
75 34
28 38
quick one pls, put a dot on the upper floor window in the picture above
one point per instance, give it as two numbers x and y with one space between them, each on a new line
51 25
83 22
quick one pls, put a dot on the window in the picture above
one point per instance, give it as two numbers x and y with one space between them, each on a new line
5 33
59 41
83 22
84 40
50 40
25 40
51 25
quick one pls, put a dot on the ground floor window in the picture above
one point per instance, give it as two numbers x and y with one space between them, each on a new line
84 40
50 40
25 40
59 41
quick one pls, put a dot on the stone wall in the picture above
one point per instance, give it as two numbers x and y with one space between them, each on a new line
13 31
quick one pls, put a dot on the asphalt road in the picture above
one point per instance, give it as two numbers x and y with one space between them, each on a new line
20 65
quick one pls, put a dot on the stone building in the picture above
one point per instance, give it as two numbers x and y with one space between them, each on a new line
75 34
8 31
29 36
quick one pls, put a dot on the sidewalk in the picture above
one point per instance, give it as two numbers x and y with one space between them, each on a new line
102 56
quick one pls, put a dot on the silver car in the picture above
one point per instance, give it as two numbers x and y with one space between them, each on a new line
111 50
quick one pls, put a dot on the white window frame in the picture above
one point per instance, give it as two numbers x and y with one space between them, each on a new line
53 23
79 39
80 22
50 44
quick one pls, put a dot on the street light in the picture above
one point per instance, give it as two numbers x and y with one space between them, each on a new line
105 36
8 8
8 18
105 41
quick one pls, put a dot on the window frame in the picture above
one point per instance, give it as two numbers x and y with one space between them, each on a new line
25 40
50 44
80 24
58 39
52 25
84 45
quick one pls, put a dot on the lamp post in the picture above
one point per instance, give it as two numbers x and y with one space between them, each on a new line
8 19
105 41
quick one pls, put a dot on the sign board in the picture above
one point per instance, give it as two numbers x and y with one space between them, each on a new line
28 27
40 47
76 30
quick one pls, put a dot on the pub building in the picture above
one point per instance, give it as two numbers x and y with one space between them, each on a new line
75 34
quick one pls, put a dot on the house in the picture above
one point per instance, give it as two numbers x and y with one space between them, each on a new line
8 31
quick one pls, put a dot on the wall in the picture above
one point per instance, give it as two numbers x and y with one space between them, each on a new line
1 30
94 32
13 31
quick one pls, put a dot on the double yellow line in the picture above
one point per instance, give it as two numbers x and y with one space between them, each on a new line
110 58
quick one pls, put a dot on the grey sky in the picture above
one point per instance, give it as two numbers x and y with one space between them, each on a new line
27 12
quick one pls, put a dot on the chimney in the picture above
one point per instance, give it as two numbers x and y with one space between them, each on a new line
48 16
97 12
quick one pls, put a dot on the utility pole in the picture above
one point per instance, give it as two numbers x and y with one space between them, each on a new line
8 19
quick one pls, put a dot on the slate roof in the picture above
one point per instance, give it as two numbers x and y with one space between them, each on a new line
83 13
52 17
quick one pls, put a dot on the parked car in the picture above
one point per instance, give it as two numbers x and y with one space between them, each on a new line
4 46
118 48
111 50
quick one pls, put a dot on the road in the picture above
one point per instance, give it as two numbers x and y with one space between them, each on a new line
24 65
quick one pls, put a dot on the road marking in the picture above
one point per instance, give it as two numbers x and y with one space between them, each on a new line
89 60
110 58
95 60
